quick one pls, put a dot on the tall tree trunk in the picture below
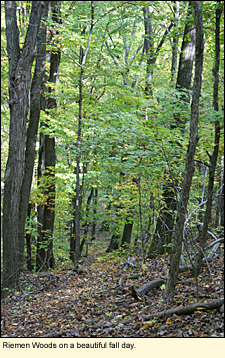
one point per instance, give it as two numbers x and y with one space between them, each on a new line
82 61
149 49
189 163
45 259
40 209
165 222
32 128
78 158
20 63
213 159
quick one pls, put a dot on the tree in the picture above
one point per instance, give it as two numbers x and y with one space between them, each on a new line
189 163
165 222
32 130
151 54
20 63
185 68
213 158
82 61
45 259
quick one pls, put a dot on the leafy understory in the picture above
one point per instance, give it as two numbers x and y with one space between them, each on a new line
99 301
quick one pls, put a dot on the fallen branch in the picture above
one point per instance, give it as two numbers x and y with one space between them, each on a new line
215 242
210 245
149 286
184 310
213 251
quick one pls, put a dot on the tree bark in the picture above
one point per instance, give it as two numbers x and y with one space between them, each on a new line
189 165
222 204
186 60
149 49
20 63
187 52
86 225
114 243
93 229
165 221
127 231
28 242
213 159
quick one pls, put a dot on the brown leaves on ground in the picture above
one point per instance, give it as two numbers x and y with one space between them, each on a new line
99 302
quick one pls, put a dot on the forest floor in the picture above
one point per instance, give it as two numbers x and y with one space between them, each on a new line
98 302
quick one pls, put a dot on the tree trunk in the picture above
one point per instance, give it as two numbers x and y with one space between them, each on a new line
165 221
28 242
20 63
114 243
186 60
49 208
78 157
189 165
222 204
82 61
86 225
151 59
151 54
72 231
213 159
40 209
32 128
149 49
93 235
127 231
187 53
45 259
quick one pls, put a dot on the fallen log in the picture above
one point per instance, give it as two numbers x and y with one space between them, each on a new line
184 310
150 285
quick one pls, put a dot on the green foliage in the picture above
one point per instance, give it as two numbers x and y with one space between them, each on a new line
125 135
